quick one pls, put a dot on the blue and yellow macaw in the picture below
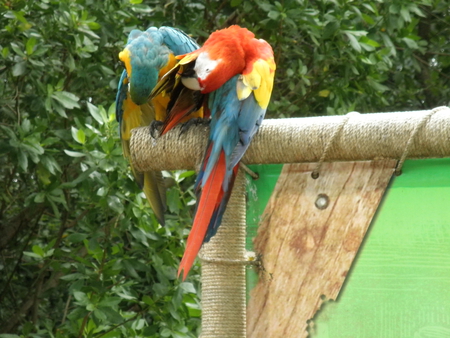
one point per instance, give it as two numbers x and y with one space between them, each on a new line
147 57
234 73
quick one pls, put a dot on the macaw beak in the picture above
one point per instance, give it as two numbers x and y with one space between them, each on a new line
191 83
201 84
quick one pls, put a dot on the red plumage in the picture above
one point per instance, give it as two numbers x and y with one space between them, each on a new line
211 196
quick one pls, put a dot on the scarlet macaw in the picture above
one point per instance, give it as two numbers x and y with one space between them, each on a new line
147 57
235 71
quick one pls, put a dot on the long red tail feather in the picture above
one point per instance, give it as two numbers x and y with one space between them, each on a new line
211 196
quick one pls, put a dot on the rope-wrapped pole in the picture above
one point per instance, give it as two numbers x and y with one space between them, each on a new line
223 272
362 137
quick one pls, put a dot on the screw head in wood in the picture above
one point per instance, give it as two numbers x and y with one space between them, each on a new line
322 201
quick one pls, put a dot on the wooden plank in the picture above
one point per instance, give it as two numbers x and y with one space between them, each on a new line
307 250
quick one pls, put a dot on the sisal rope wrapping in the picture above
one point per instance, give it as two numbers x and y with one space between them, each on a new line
223 272
363 137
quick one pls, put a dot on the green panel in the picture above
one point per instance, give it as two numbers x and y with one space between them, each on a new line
399 285
259 192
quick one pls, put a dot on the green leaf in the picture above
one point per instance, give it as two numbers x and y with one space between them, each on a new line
26 125
187 287
353 42
94 25
404 12
107 71
40 50
78 135
99 314
81 297
376 85
95 113
49 253
273 15
83 176
50 164
73 153
160 289
112 112
173 200
39 198
32 254
70 63
19 68
330 29
73 276
138 324
356 33
43 174
166 333
115 204
38 250
126 295
370 42
368 19
23 160
410 43
5 52
324 93
68 100
186 174
147 300
19 50
394 8
76 237
97 154
9 132
110 301
31 42
113 317
102 191
19 15
413 8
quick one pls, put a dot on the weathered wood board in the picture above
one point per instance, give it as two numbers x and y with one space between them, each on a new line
309 235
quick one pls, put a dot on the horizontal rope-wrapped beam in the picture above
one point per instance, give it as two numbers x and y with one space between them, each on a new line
353 137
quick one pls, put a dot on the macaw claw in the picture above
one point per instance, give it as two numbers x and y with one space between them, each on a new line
194 122
155 128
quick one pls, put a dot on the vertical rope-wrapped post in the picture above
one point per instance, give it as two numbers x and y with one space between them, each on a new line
223 272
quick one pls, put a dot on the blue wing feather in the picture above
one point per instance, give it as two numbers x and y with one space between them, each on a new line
233 125
249 120
227 112
121 95
178 41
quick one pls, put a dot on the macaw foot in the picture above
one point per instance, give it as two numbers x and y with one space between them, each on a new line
154 128
194 122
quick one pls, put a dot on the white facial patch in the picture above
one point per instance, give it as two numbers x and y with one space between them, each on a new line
204 65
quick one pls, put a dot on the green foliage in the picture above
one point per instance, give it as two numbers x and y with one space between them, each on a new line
338 56
82 254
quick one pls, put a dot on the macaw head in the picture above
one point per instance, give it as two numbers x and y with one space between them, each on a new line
223 56
143 56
